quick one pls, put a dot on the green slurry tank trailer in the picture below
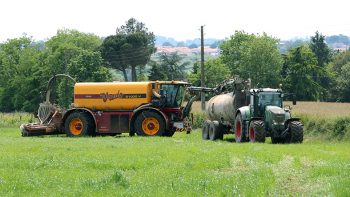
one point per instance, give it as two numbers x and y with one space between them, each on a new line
252 115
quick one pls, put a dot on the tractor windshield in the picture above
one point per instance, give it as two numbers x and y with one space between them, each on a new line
270 98
174 94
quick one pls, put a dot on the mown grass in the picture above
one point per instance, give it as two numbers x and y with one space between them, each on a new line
183 165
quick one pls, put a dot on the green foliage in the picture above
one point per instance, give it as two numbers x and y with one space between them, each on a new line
170 67
341 69
198 119
132 46
323 55
333 129
253 56
78 55
215 72
21 60
26 67
301 63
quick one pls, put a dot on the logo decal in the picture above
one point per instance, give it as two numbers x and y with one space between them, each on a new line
106 96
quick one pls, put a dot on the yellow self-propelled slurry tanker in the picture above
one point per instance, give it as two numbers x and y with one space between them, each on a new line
144 108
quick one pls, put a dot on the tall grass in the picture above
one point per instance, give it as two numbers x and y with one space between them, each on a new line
325 128
15 119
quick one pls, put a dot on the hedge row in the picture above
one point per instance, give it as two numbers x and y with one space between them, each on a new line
319 127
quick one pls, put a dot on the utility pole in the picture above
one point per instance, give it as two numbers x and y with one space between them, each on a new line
202 69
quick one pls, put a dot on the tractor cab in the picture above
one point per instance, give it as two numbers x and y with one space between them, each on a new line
261 98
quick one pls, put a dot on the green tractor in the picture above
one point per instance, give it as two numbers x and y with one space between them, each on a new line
265 116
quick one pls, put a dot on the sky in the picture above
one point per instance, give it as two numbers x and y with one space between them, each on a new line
179 19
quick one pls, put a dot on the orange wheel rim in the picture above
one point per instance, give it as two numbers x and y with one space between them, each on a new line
76 126
150 126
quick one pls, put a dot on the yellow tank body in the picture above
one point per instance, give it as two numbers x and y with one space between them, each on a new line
112 95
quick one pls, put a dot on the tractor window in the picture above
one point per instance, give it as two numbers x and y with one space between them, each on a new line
174 94
270 98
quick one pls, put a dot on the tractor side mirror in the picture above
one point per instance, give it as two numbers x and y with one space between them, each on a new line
294 99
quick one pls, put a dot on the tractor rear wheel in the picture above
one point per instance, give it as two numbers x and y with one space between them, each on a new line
296 132
257 131
79 124
215 132
205 130
149 123
239 129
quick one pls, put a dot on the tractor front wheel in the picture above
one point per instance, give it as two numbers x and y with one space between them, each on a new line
240 129
257 131
79 124
149 123
296 132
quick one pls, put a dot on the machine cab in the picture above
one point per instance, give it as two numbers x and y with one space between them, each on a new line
260 98
172 93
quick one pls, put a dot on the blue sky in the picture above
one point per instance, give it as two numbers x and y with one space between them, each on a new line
180 19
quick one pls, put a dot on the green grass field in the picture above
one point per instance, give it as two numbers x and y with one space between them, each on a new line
183 165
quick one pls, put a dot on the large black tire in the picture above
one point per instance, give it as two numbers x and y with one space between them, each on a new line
215 132
240 129
296 132
276 140
150 123
257 131
79 124
205 130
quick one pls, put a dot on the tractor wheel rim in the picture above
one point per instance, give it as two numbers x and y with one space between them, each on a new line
238 129
150 126
251 134
76 126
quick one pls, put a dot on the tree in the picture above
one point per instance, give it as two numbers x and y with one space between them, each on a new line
132 46
253 56
343 84
340 67
301 63
323 55
170 67
20 84
215 72
77 54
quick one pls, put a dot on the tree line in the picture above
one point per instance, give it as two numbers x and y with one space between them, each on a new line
312 70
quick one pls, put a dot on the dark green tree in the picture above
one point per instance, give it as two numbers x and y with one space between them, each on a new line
21 76
77 54
301 63
170 67
215 72
132 46
253 56
323 55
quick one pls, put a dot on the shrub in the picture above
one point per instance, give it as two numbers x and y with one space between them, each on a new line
198 118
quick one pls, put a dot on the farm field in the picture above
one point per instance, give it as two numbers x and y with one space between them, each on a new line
183 165
319 109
